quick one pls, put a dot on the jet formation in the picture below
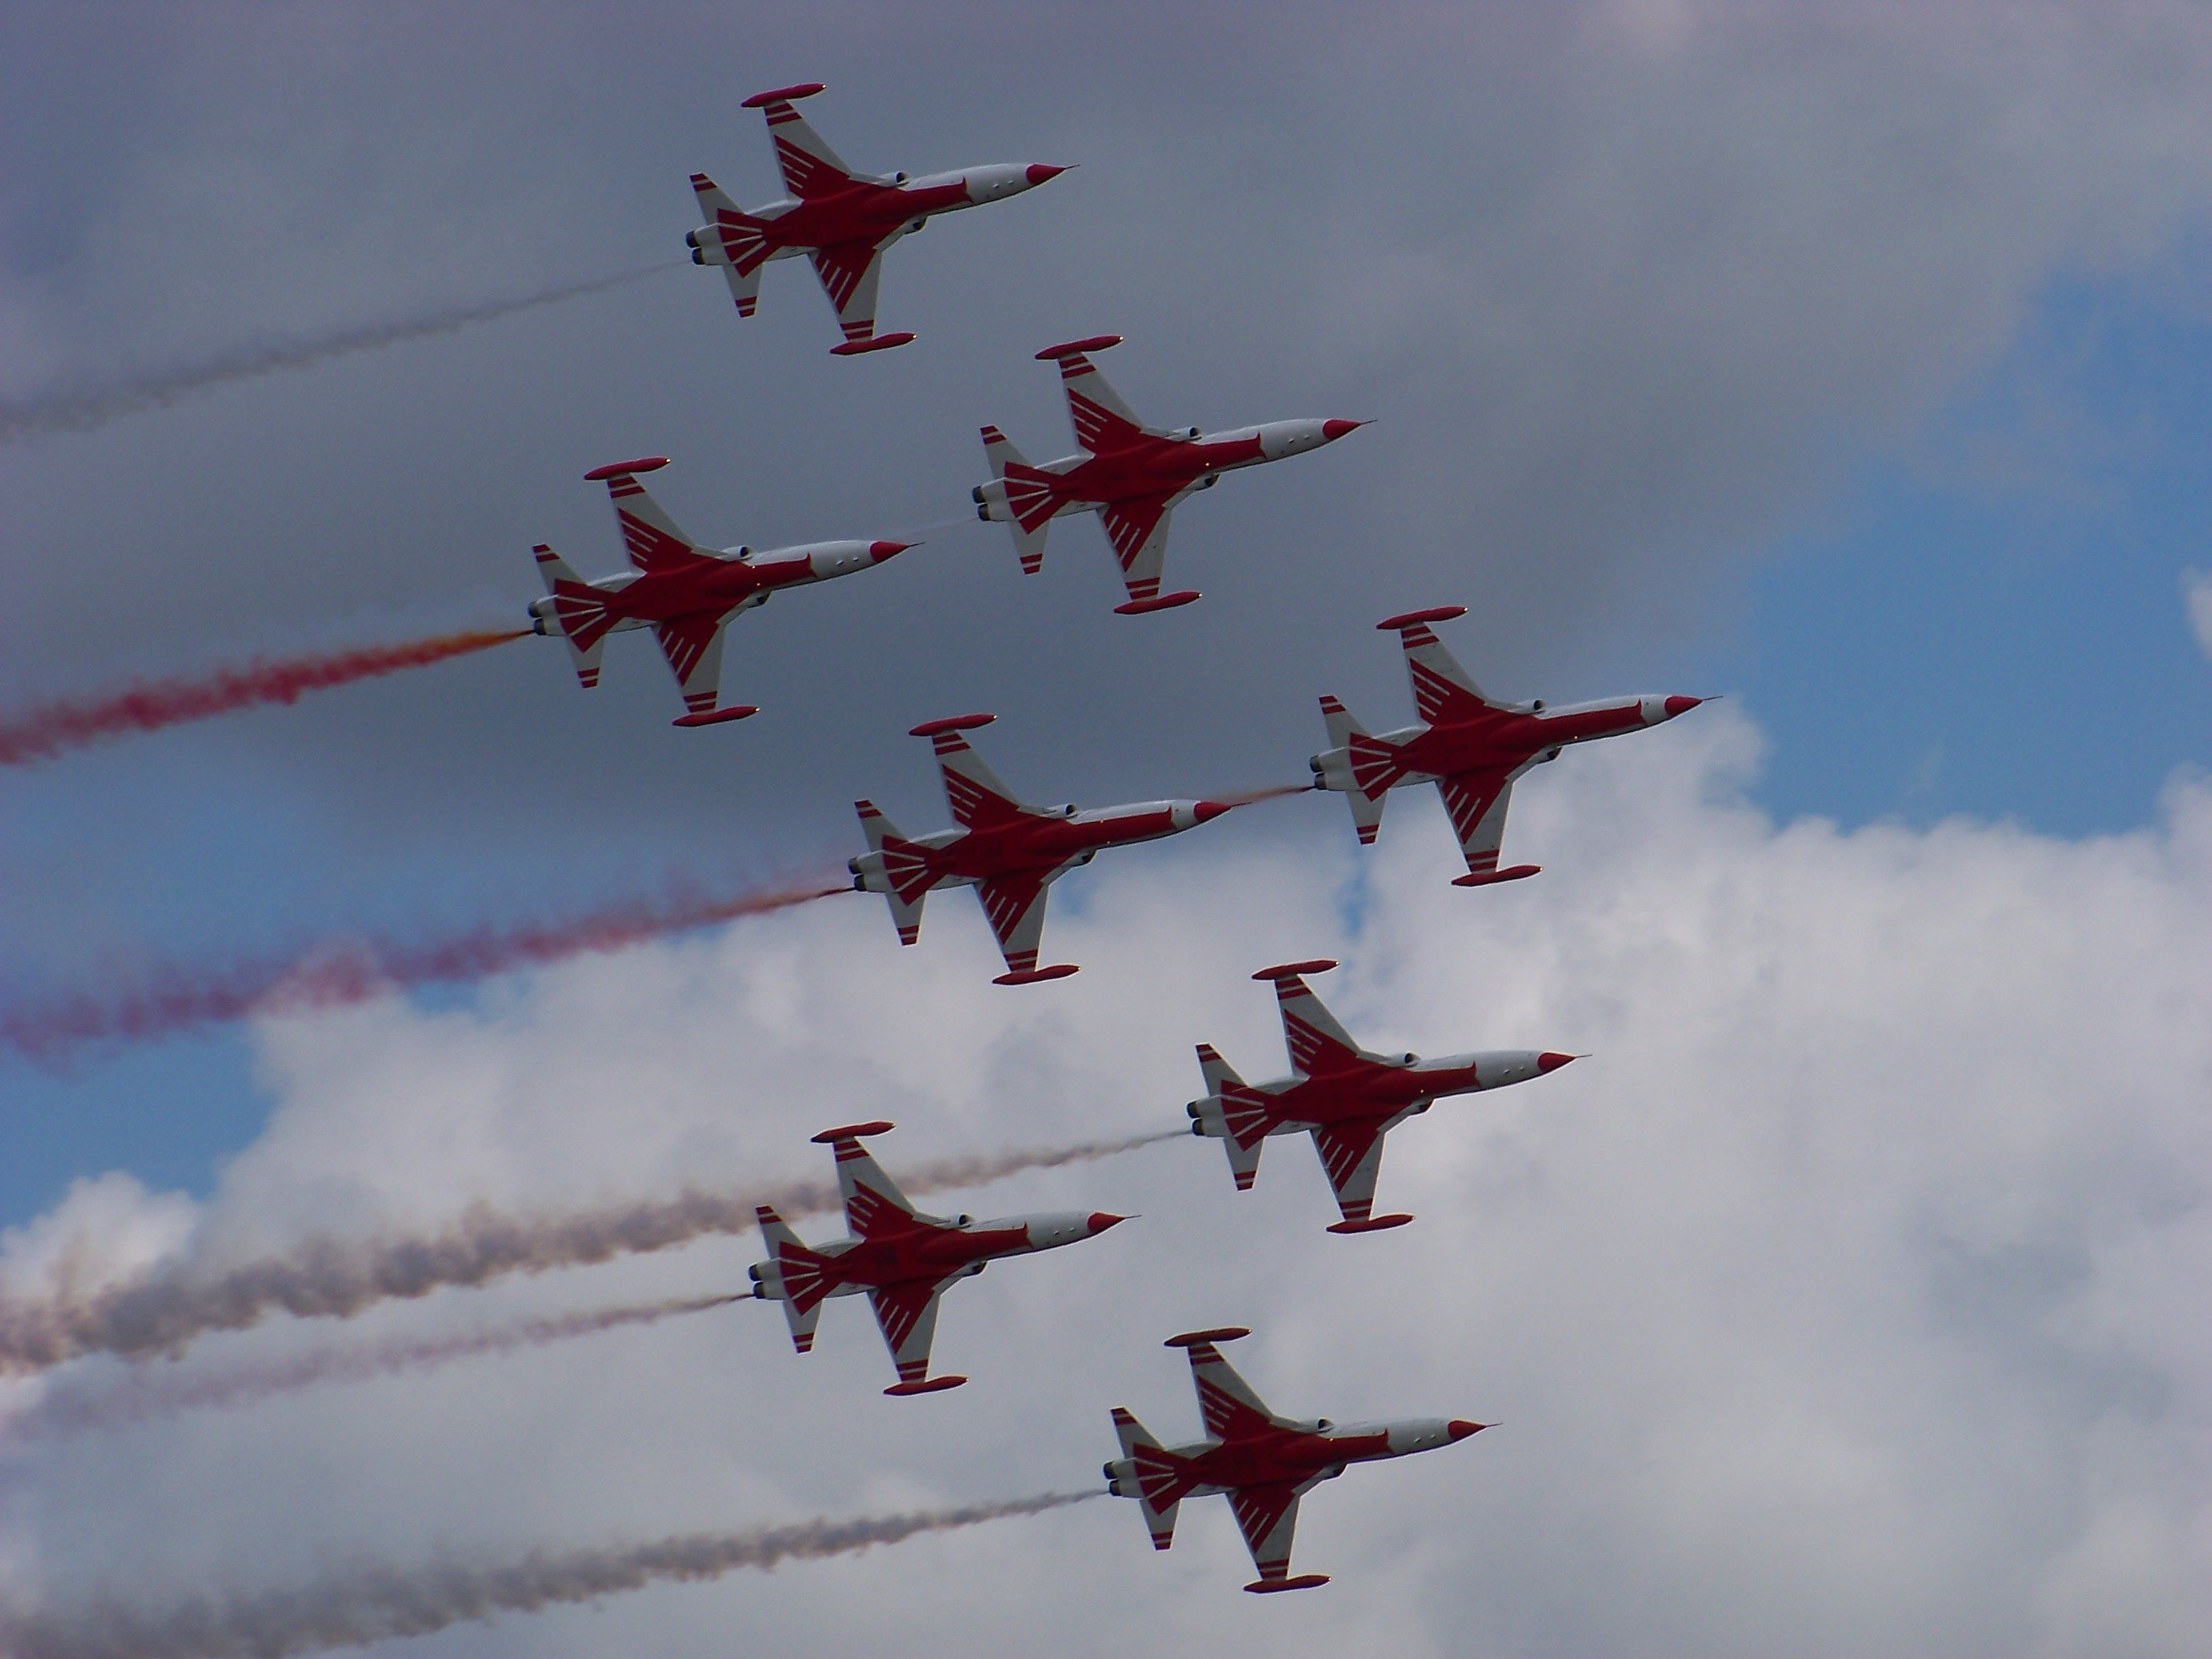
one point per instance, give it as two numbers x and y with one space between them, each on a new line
1472 746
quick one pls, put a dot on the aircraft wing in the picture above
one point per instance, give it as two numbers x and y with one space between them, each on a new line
973 792
1352 1156
693 645
809 166
1267 1516
1477 804
1101 418
1315 1040
1227 1402
1015 906
1138 527
908 1316
849 272
873 1203
1443 691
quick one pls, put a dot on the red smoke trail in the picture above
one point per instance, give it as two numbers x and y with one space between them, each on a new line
51 728
174 998
1252 797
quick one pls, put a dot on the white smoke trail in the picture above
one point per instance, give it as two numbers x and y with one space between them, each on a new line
336 1279
376 1603
88 411
157 1389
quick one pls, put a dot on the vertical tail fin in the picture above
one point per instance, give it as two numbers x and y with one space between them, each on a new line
900 871
798 1276
1240 1111
1029 503
1148 1474
1370 766
579 613
735 241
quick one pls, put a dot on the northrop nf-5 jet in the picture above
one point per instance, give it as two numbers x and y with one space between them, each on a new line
1345 1097
1260 1462
1010 853
684 592
1131 475
901 1258
1470 745
840 219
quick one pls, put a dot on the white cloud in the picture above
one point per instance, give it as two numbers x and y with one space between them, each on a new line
1844 1301
2197 594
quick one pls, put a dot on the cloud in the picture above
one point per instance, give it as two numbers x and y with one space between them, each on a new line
1627 286
1863 1251
2197 594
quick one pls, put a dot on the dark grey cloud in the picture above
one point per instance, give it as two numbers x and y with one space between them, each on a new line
1620 285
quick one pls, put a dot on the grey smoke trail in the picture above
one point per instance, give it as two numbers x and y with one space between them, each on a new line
155 1389
377 1603
84 411
336 1279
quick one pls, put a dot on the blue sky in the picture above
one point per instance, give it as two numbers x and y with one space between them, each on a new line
1983 620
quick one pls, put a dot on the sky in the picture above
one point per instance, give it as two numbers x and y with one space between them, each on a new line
1849 362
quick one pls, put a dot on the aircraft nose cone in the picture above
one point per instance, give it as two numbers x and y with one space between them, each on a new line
1206 811
1681 705
881 550
1038 172
1459 1428
1100 1220
1332 431
1551 1062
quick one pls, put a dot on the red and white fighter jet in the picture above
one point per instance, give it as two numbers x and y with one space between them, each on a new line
840 219
1009 852
902 1260
1345 1097
1473 747
1131 475
686 593
1262 1463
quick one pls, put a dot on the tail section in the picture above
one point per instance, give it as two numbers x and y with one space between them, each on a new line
1235 1111
1025 494
1150 1473
1354 754
735 241
794 1275
894 866
574 609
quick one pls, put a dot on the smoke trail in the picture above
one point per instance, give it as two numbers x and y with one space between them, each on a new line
155 1390
171 998
48 729
1254 797
336 1279
376 1603
86 411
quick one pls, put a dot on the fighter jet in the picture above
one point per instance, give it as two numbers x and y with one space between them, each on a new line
1472 746
903 1259
686 593
1262 1462
840 219
1131 475
1008 851
1345 1097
